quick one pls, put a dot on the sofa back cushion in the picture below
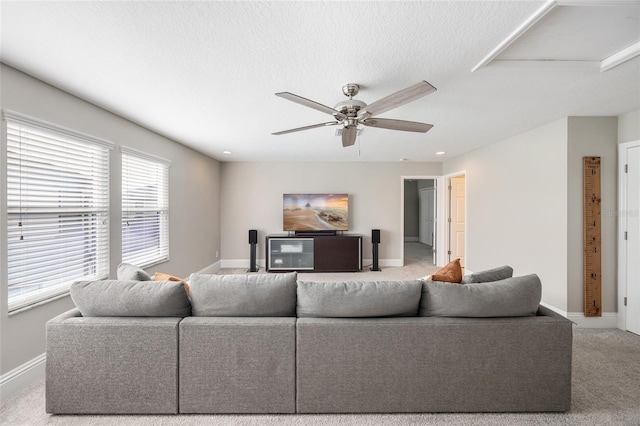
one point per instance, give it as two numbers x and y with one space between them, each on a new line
358 299
495 274
120 298
243 295
513 297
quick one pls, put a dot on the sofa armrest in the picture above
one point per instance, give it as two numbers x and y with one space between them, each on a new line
71 313
546 312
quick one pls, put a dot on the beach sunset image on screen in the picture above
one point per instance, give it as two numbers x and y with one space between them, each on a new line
316 212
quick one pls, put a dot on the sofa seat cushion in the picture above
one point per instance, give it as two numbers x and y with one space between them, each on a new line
513 297
243 295
115 298
494 274
358 299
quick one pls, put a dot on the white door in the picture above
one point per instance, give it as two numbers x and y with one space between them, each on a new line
457 215
632 255
427 216
423 227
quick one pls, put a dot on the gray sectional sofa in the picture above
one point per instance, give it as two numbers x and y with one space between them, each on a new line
268 343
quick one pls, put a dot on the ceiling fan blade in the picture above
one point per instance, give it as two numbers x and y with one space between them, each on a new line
312 104
313 126
349 135
398 98
407 126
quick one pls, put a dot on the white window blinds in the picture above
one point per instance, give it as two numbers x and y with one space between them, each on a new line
145 208
57 209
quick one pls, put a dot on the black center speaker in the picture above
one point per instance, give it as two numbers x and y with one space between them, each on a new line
253 240
375 240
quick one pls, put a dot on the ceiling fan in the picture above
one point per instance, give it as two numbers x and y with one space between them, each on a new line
352 112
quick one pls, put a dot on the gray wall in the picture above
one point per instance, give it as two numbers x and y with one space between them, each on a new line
517 206
251 198
524 200
629 127
592 136
193 193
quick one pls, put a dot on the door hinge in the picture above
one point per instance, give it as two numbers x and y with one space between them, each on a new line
626 168
449 220
625 301
449 252
450 188
625 235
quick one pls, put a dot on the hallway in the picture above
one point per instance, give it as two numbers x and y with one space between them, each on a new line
417 253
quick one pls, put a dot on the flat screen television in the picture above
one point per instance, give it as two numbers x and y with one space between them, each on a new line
315 212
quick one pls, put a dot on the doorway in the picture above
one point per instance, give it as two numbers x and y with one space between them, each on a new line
419 221
451 206
629 236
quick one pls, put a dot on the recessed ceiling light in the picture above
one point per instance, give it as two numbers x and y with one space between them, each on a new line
440 153
404 159
226 152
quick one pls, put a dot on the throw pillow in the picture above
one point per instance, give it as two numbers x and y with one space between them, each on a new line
450 273
116 298
358 299
159 276
129 272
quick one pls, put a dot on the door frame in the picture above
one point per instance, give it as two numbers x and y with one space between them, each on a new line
443 210
622 260
401 233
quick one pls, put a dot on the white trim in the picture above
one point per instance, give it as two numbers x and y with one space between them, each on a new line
607 320
620 57
387 263
523 28
244 263
554 309
211 269
240 263
14 381
411 239
74 134
144 155
622 226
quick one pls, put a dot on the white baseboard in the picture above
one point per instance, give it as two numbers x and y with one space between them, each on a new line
411 239
211 269
240 263
607 320
244 263
22 377
383 262
554 309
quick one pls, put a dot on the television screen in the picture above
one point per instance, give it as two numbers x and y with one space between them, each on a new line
316 212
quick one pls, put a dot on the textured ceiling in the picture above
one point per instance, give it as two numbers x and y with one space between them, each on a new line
205 73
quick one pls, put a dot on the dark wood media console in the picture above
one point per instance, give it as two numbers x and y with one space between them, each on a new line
326 253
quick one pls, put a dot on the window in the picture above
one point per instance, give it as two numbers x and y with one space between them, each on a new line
145 208
57 198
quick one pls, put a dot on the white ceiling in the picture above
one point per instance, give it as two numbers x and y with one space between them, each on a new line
205 73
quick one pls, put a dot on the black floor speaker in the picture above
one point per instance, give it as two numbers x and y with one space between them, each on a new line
253 240
375 240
